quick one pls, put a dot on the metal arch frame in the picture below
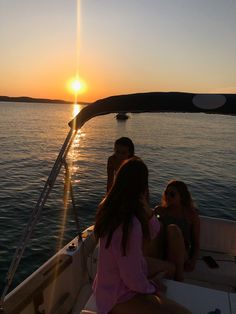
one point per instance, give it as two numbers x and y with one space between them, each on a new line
156 102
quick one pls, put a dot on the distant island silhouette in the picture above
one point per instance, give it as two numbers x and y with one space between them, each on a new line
175 99
37 100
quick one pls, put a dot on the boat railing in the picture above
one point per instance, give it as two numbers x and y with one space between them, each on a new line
35 214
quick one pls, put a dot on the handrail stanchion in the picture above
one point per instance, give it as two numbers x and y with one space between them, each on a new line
36 212
70 187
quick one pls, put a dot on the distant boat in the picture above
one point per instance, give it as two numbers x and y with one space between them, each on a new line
122 116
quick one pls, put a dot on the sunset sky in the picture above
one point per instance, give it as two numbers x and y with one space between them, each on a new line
117 47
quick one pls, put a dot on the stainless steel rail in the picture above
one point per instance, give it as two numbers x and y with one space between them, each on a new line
36 213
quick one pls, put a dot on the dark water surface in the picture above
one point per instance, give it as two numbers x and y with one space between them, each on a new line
199 149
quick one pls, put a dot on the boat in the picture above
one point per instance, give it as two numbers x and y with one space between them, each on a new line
122 116
64 283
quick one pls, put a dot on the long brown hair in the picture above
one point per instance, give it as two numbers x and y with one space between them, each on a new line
123 201
185 196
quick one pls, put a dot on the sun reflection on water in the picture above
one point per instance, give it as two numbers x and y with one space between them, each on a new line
76 109
70 170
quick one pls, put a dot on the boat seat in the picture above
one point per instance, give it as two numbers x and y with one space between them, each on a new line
218 235
90 306
217 239
223 277
223 251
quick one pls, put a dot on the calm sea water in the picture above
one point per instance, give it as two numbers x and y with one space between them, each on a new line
199 149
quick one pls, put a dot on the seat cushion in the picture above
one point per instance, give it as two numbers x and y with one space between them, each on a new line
225 275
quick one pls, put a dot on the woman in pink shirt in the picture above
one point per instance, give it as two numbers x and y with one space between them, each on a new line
122 222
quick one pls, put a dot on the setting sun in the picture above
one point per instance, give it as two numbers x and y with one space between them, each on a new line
76 86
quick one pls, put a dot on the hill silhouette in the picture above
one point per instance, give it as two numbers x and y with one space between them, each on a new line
36 100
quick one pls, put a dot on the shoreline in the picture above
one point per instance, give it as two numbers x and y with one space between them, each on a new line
37 100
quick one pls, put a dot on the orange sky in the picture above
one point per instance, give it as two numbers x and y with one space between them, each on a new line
117 46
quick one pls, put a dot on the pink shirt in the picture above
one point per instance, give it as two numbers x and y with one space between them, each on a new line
120 277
